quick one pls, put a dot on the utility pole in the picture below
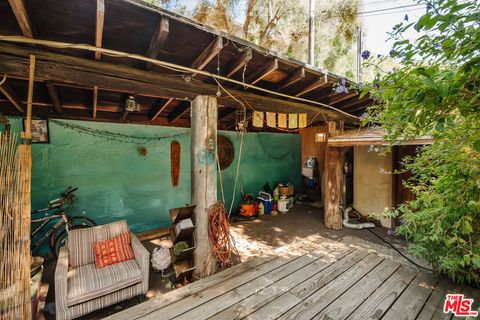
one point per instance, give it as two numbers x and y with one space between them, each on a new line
311 34
359 55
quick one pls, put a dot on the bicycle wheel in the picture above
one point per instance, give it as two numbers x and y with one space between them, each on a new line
74 223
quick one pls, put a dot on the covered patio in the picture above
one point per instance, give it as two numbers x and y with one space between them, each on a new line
158 120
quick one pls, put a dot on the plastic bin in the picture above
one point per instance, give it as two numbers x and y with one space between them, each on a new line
267 201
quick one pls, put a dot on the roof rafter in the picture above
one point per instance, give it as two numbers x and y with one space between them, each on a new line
158 108
179 111
239 62
21 14
53 93
206 56
321 82
12 97
264 71
294 77
159 37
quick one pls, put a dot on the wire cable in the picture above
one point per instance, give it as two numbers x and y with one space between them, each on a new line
168 65
399 252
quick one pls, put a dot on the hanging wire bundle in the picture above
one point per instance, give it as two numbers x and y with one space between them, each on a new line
223 245
15 168
115 136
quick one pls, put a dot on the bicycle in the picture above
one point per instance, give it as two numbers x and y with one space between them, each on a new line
58 232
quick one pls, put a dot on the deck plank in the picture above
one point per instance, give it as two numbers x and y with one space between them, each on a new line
327 294
270 311
342 307
379 302
265 296
435 301
313 284
175 309
411 301
161 301
229 298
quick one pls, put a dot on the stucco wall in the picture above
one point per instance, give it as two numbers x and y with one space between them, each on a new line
115 182
373 183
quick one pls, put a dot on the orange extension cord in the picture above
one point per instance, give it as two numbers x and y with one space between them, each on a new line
223 245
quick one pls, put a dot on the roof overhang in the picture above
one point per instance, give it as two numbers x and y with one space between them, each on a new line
375 137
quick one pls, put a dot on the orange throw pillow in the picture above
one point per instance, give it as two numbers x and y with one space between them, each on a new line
114 250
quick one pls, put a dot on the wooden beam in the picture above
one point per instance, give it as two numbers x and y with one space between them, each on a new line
158 108
296 76
52 91
342 97
95 102
206 56
75 71
258 75
159 37
314 85
204 178
12 97
179 111
333 182
20 12
239 62
100 18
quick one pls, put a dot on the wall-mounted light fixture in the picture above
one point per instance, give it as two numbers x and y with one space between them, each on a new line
320 137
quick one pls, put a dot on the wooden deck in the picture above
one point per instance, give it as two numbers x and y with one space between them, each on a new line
344 283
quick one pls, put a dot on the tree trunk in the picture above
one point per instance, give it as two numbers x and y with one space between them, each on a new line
204 177
248 17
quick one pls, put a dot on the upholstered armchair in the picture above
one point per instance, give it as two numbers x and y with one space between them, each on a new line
80 288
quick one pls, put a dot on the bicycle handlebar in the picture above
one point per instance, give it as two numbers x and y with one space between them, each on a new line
65 196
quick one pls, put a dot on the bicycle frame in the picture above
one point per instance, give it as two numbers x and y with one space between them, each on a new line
62 219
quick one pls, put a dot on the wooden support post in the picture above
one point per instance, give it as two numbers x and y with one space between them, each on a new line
203 150
333 183
95 102
100 18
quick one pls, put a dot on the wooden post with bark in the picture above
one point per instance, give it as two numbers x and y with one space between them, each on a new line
204 177
333 182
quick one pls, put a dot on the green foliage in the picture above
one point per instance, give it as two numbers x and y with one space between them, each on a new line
436 91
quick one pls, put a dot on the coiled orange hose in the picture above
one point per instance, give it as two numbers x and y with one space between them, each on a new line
223 245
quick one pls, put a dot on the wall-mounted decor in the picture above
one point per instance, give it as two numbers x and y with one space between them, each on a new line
40 132
175 153
225 151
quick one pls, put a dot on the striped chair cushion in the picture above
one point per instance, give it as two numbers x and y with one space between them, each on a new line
80 242
113 250
87 282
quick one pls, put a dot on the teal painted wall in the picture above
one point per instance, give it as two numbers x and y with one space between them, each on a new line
115 182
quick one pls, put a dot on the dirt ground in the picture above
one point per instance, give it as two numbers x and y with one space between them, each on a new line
300 229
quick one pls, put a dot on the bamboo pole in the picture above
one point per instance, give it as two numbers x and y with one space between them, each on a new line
15 179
